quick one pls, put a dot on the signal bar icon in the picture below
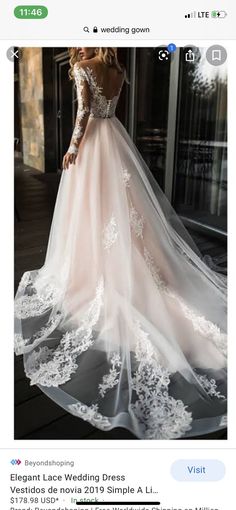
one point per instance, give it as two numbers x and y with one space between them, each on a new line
191 14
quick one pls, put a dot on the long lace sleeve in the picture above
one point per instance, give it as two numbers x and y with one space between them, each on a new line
83 111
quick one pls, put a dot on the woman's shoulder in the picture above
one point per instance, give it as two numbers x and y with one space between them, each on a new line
85 67
81 64
80 69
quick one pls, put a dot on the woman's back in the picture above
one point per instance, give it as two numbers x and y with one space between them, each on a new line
104 82
109 78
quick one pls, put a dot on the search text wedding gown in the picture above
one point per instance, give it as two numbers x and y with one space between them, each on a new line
124 325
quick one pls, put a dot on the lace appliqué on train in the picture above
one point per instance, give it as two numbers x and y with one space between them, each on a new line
25 281
110 233
53 368
110 380
199 322
126 177
136 222
90 414
155 272
206 328
162 416
34 303
21 343
223 421
210 386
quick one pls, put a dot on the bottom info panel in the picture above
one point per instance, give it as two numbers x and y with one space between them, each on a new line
124 479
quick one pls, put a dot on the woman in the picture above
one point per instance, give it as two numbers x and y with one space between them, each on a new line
124 325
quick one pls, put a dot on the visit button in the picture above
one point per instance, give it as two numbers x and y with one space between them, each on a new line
198 470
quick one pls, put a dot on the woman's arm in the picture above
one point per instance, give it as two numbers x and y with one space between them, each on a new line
83 112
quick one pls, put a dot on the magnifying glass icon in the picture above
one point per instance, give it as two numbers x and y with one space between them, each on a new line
86 29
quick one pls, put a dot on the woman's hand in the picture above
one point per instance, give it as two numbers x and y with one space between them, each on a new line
69 159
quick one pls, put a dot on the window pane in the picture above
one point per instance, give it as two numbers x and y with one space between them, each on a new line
200 191
152 109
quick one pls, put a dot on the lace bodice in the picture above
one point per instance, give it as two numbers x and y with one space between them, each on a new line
91 102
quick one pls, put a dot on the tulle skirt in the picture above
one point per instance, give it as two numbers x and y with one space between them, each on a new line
124 325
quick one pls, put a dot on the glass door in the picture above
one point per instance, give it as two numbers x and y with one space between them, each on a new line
150 82
200 173
178 120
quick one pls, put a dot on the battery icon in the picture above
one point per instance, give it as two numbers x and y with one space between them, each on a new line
218 14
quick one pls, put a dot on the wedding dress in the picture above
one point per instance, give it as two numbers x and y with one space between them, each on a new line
124 325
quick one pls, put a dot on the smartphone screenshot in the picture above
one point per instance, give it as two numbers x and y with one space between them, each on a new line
117 256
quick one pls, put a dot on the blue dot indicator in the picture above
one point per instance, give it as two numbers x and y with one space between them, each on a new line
171 47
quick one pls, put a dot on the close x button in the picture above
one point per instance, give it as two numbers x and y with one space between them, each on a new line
14 54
